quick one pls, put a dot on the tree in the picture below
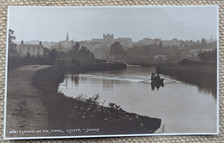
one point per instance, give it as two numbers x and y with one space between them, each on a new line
11 38
117 51
85 53
11 44
203 41
77 45
160 44
208 57
52 56
28 56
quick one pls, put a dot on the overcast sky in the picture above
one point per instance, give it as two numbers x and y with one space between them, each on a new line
52 23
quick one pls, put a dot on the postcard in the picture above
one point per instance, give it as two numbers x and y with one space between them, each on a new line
110 71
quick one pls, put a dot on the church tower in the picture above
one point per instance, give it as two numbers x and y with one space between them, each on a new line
67 38
211 40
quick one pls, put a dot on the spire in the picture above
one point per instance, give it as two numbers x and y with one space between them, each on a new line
211 40
67 38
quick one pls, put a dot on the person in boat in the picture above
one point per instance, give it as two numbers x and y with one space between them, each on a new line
152 76
157 76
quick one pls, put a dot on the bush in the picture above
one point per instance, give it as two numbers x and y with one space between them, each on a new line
114 106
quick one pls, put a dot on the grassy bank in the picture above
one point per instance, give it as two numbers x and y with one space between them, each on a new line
204 76
25 109
85 113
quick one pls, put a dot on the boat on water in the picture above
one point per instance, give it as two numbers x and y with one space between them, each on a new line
158 81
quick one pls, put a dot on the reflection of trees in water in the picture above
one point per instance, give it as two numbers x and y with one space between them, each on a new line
75 79
206 82
108 84
208 85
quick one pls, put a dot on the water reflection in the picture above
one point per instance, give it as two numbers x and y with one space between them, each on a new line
206 83
75 79
183 106
157 86
108 84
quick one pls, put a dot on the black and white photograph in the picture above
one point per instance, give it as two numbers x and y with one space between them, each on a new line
111 71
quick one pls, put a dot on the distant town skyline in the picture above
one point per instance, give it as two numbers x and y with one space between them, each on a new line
75 39
86 23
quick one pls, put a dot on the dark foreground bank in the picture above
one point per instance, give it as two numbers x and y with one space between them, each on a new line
85 116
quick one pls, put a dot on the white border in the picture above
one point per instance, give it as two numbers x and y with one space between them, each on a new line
217 17
115 135
6 77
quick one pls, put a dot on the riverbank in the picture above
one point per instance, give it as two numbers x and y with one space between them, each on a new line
86 113
25 109
204 76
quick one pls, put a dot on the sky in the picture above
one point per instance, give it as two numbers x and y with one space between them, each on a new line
86 23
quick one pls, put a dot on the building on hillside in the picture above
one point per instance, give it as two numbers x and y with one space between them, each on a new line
108 36
33 50
147 41
106 41
125 42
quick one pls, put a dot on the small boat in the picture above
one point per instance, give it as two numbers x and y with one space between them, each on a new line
158 81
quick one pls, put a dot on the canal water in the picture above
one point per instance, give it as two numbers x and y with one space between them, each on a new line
182 107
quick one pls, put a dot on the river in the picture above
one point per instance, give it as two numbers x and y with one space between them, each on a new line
182 107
